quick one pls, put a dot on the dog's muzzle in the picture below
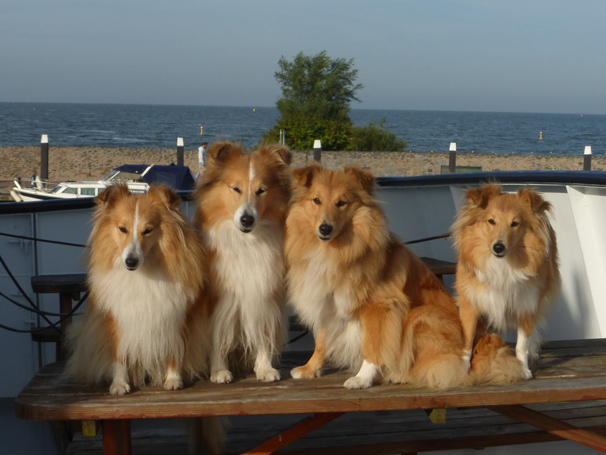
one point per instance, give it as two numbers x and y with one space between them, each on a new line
131 263
247 223
325 231
498 249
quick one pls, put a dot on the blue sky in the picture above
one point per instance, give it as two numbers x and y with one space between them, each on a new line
471 55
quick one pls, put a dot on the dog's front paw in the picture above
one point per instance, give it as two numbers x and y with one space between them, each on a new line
268 375
357 382
173 384
526 373
304 372
119 388
221 377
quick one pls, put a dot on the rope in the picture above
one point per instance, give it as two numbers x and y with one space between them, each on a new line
56 242
427 239
54 324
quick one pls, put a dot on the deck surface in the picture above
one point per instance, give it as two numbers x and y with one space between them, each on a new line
569 371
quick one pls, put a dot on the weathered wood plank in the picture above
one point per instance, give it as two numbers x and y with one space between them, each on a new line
553 426
52 396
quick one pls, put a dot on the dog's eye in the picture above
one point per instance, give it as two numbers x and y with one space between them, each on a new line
147 231
514 224
491 221
123 230
317 201
260 191
340 203
236 189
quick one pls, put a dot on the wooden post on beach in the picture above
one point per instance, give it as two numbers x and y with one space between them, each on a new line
452 158
44 157
317 150
180 160
587 158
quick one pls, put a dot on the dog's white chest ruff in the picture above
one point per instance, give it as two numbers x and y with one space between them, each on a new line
506 294
316 305
149 309
249 266
250 280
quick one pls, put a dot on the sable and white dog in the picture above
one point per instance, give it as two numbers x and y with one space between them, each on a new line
242 201
507 271
146 320
372 304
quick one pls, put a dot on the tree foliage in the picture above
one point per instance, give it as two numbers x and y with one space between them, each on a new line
375 138
317 87
316 95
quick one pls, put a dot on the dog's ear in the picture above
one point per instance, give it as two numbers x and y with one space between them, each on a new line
111 193
303 176
276 152
534 200
167 195
364 178
220 152
481 196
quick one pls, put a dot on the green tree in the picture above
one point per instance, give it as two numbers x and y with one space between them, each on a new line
316 95
317 87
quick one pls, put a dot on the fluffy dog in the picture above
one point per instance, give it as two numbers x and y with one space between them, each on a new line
242 201
146 320
373 305
507 271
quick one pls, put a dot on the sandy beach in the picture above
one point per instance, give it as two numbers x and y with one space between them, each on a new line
92 163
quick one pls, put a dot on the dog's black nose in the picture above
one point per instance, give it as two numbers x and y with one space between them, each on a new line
131 262
325 229
498 248
247 221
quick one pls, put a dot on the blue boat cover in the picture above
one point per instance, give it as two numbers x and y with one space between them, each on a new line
178 177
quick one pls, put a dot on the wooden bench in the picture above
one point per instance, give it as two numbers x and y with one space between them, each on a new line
69 287
563 402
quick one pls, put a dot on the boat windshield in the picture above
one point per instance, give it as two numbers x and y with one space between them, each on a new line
117 176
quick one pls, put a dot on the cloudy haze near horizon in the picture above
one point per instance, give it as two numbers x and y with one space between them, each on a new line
461 55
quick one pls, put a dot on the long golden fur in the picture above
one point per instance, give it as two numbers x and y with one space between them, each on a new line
242 201
373 305
507 272
146 319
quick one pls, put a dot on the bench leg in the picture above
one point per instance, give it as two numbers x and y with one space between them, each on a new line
292 434
116 437
554 426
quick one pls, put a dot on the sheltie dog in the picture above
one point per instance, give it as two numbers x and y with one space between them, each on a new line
372 304
146 320
507 271
242 201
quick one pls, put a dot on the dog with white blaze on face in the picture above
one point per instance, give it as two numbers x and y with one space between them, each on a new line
146 319
242 200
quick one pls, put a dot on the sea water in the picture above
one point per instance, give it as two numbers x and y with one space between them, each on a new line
153 126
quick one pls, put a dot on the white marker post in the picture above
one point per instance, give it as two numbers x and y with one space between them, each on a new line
587 158
44 157
180 152
317 150
452 158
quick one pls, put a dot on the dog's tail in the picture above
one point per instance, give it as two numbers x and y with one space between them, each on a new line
429 358
206 435
494 362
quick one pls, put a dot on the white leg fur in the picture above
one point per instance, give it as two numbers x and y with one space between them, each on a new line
173 380
219 372
466 357
265 372
364 378
522 353
119 384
